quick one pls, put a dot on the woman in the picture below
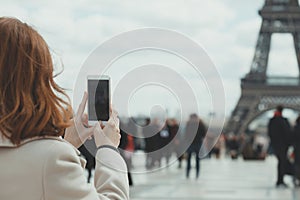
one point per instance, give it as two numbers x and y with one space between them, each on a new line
35 162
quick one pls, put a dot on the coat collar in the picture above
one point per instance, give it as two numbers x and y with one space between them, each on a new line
5 142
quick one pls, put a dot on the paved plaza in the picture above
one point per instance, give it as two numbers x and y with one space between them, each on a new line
222 179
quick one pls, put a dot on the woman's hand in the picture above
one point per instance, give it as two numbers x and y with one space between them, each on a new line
79 131
110 134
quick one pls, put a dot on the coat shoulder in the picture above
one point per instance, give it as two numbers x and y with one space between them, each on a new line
52 146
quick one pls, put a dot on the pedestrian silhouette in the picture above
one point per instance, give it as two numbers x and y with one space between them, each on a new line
195 128
279 132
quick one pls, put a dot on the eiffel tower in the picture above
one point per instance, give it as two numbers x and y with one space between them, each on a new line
260 92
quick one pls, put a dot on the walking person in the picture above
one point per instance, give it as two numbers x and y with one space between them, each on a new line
176 140
165 139
126 148
88 151
280 134
151 133
195 128
296 143
35 162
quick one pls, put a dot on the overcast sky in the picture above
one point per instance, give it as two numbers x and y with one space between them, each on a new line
226 29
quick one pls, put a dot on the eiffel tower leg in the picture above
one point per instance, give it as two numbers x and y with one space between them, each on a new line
244 111
261 56
237 116
296 37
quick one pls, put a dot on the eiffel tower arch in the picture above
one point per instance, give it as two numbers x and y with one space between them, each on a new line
260 92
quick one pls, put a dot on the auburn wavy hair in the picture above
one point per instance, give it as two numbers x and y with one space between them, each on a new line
29 101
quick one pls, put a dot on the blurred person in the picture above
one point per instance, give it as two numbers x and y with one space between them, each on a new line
279 132
195 127
88 150
296 143
233 146
132 126
176 140
164 143
151 133
127 148
260 146
210 139
216 150
34 158
253 148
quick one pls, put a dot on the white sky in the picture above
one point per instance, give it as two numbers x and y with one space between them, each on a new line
227 29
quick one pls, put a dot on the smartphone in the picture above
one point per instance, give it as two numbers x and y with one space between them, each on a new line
98 98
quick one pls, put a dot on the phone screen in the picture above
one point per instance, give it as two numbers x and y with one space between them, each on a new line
98 101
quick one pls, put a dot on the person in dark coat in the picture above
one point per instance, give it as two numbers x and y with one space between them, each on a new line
195 132
176 140
279 132
88 150
296 143
124 151
151 133
233 146
165 139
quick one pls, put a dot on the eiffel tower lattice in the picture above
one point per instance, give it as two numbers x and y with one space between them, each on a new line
260 92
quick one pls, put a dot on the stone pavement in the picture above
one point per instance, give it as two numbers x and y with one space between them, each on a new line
223 179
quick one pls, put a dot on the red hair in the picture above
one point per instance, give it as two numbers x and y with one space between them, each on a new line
29 105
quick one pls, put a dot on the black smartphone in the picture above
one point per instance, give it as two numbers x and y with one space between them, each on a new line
98 98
